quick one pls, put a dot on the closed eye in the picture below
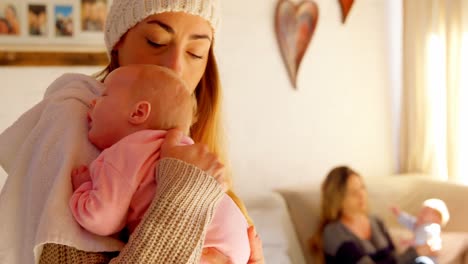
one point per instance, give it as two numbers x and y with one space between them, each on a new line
195 55
154 44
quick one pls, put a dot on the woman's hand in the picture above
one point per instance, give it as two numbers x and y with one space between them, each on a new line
196 154
256 248
213 256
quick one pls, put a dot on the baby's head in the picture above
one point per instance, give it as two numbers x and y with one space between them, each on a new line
434 211
164 93
138 97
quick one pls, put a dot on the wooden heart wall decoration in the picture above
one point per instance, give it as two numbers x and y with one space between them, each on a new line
345 8
295 25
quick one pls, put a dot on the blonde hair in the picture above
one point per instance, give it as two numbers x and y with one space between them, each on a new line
333 191
207 128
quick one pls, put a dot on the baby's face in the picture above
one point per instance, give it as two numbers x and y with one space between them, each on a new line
429 215
107 116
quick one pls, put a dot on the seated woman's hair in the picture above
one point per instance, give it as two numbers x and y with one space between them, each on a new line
333 191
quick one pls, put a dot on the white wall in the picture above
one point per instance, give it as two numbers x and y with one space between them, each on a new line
340 114
342 111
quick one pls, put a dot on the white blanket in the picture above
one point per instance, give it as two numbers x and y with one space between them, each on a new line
38 153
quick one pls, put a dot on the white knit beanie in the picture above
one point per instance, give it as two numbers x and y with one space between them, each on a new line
124 14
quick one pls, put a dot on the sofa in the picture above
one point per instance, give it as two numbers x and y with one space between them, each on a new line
287 218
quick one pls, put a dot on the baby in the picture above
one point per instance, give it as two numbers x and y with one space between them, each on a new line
426 227
129 122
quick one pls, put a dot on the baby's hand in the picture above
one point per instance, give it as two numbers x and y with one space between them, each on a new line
395 210
79 176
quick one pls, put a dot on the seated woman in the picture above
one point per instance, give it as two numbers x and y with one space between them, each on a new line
347 233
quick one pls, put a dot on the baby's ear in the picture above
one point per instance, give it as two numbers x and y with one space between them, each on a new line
140 113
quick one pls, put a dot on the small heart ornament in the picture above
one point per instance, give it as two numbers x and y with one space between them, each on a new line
345 8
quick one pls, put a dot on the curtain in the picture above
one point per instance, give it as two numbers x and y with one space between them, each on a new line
434 129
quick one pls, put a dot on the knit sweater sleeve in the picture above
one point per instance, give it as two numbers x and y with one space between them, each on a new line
174 227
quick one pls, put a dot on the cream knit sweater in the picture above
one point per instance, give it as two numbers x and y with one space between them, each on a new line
172 230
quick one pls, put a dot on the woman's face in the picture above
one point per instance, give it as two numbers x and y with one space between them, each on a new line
178 41
355 199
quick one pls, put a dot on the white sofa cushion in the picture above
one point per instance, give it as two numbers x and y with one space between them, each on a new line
274 226
304 208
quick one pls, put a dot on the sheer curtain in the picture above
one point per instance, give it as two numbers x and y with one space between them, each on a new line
434 138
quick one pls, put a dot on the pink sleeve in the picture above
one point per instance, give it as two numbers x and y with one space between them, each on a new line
101 205
228 232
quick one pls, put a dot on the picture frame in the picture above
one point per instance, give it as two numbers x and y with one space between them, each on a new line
53 32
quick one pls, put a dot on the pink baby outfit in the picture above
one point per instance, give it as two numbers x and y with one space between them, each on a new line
123 185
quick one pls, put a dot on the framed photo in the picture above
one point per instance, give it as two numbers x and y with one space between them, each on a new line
9 19
53 32
93 15
37 20
64 20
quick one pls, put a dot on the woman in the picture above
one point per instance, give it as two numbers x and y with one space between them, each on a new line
346 233
12 18
178 35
